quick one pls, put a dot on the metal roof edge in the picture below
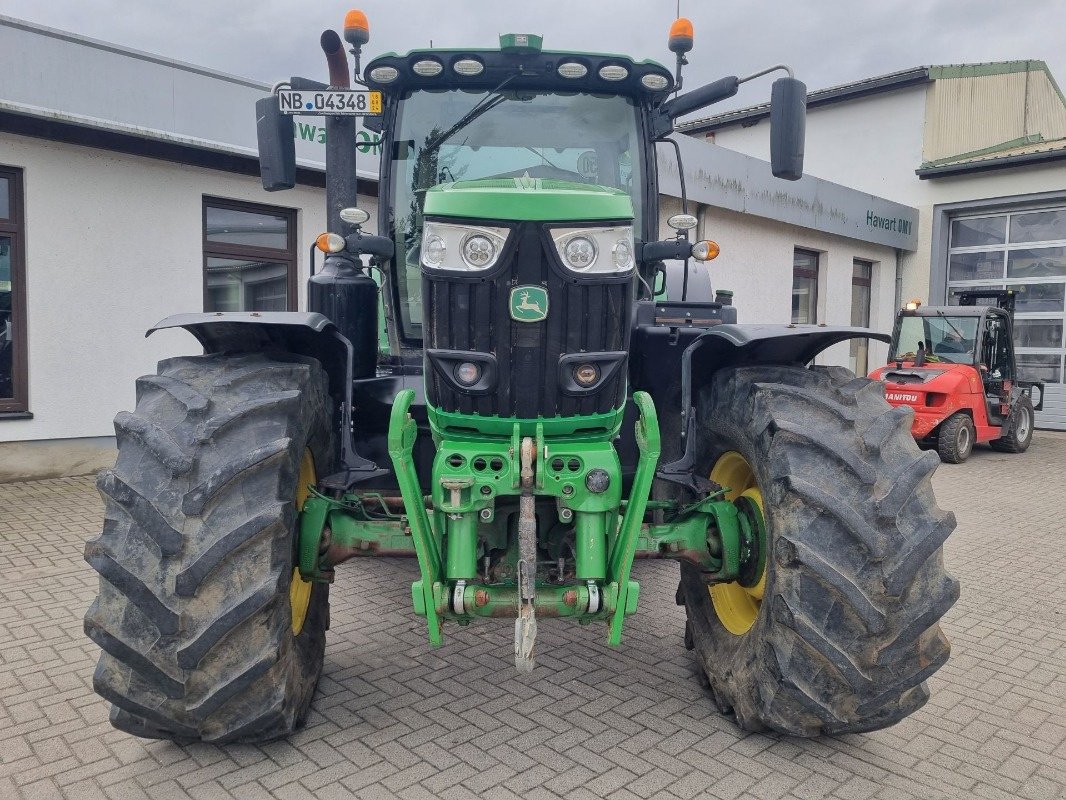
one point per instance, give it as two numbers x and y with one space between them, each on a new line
99 44
834 94
988 164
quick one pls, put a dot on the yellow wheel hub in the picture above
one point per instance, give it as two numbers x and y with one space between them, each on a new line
737 606
299 589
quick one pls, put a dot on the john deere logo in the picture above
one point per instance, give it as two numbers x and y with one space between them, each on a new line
529 303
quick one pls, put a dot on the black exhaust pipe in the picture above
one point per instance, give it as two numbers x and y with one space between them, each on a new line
341 184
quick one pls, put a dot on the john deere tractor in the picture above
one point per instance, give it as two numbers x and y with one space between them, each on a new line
536 414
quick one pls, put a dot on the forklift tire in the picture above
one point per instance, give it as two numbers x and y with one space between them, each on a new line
955 438
207 631
1019 428
844 626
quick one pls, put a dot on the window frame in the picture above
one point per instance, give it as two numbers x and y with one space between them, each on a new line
860 345
14 227
1004 250
287 256
803 272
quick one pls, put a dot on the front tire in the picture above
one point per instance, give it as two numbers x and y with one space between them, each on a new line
207 631
843 631
1019 428
954 440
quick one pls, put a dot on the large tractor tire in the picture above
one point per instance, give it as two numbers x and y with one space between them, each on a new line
839 633
1018 432
208 632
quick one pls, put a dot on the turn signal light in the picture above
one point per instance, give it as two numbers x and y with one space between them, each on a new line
330 242
705 250
681 35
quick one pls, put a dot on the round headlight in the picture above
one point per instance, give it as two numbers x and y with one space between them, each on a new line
478 251
468 373
613 72
580 253
427 68
384 74
622 253
654 81
573 69
468 66
586 374
433 250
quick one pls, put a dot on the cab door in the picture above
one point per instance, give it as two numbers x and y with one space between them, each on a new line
996 364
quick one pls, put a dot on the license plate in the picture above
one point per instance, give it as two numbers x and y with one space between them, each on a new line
345 102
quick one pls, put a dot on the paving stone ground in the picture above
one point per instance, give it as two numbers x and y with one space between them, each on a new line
394 718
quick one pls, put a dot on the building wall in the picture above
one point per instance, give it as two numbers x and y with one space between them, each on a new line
756 264
872 144
113 245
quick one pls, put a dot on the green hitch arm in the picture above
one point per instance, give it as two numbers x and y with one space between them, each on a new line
625 546
403 431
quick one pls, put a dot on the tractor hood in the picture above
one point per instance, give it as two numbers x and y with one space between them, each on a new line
527 199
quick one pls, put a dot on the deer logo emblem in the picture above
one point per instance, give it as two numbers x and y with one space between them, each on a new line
529 303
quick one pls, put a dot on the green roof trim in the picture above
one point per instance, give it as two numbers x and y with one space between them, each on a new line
1021 141
982 70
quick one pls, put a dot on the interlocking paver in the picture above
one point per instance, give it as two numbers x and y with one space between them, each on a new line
395 718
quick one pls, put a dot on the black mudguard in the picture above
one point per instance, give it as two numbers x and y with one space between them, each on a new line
303 333
744 345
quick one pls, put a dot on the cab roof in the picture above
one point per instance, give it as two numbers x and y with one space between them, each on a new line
527 67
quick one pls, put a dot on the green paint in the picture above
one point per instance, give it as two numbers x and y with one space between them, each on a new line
533 199
590 546
461 563
520 43
402 434
624 549
528 303
458 427
1021 141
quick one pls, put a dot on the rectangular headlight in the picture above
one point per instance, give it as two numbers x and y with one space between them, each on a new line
461 248
595 250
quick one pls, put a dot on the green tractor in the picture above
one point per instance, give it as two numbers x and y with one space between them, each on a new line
532 415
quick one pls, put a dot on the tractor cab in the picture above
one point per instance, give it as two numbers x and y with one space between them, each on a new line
956 364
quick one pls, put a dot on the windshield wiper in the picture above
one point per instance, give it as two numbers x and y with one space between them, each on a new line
957 332
484 105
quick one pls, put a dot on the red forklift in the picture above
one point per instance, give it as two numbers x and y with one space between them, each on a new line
955 367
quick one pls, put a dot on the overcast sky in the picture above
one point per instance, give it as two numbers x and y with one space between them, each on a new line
827 41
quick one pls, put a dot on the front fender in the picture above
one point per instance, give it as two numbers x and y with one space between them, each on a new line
302 333
743 345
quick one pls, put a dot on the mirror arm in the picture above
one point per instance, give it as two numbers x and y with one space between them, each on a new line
767 71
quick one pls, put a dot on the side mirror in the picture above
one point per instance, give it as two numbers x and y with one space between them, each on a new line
277 145
788 125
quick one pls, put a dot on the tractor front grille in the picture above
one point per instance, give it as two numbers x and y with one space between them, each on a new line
473 315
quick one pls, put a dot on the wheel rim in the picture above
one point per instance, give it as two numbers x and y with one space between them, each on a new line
964 439
738 606
299 589
1025 422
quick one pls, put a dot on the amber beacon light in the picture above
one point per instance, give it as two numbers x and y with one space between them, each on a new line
681 37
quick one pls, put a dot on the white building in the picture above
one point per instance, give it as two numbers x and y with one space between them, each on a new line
131 192
980 151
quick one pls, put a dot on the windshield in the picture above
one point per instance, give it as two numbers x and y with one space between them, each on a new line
946 338
455 135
